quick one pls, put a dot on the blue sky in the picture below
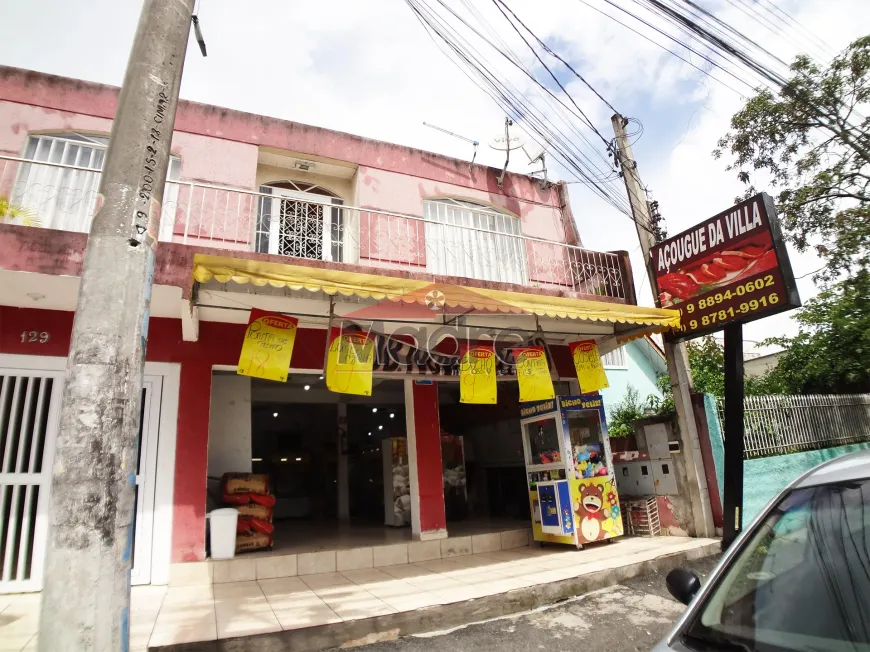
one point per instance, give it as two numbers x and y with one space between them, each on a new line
369 68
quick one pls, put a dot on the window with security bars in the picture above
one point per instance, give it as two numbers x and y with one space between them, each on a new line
300 220
472 241
615 358
64 198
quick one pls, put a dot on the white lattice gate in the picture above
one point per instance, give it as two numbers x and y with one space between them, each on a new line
30 401
29 413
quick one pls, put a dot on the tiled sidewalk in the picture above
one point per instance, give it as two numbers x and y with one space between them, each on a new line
163 616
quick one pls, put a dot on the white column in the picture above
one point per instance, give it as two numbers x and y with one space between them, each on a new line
229 425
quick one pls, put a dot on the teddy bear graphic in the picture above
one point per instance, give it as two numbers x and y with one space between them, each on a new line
590 511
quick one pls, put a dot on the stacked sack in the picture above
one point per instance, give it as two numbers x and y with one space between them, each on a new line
249 494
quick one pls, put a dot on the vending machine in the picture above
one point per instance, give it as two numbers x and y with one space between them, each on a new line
569 470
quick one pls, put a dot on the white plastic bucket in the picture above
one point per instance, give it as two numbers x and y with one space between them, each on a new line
223 533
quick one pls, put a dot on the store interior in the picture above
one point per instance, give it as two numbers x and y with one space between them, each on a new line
295 440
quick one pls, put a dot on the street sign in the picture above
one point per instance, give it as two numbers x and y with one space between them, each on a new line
731 269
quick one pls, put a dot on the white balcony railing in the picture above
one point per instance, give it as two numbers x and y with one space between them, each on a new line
64 196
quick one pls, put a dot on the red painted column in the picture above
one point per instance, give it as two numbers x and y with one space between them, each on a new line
191 462
428 519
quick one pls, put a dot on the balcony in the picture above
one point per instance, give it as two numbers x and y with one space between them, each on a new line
479 246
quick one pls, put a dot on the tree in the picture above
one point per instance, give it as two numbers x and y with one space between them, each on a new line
831 353
814 145
707 362
620 423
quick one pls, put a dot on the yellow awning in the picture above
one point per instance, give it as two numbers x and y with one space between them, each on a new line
397 288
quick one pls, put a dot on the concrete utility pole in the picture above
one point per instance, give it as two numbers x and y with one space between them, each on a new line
86 598
675 354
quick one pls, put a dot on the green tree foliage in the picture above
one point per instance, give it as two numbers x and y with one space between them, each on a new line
620 423
707 362
831 353
814 145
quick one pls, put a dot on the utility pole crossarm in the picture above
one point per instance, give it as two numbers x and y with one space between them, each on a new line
675 354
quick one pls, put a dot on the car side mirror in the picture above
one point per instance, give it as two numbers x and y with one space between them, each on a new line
683 585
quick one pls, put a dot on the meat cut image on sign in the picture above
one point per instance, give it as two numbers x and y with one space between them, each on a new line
731 268
744 257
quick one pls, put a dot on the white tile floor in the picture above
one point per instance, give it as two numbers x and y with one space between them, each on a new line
182 614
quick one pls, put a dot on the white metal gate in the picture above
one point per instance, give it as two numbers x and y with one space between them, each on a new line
146 470
29 416
29 413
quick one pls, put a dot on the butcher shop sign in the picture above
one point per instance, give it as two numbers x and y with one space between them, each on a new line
731 268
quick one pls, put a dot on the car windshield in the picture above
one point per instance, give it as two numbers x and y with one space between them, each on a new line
800 582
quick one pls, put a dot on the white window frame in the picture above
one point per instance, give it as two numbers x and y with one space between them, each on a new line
488 248
616 359
330 244
64 198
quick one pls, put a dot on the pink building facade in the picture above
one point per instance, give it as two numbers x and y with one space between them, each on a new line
259 197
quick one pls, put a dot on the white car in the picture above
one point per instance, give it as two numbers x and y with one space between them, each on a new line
798 578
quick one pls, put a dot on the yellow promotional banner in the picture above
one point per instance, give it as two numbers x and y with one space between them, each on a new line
533 374
349 362
477 375
268 345
587 362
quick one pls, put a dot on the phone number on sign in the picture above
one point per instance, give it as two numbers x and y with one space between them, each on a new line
750 297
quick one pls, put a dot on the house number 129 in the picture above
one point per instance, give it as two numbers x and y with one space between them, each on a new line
35 336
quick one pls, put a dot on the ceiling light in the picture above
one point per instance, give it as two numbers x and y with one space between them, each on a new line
256 459
283 459
275 414
374 409
392 414
370 434
307 387
298 459
380 427
321 378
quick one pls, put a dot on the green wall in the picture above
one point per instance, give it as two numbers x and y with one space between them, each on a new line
765 477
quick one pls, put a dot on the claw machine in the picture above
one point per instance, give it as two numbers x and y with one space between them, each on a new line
569 470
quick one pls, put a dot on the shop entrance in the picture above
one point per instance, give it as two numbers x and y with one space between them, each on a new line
323 454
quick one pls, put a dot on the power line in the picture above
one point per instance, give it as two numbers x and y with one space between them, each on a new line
656 43
555 79
515 103
514 60
549 51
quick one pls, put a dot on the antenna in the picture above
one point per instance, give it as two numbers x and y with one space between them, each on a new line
506 143
538 153
467 140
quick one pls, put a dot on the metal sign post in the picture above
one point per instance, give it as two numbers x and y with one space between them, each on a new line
733 480
726 271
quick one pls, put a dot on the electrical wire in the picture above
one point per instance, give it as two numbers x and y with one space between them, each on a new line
514 59
514 103
549 51
671 52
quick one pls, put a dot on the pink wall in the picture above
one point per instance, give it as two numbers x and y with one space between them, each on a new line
220 147
401 193
203 159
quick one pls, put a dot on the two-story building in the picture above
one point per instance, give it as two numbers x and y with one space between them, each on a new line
328 227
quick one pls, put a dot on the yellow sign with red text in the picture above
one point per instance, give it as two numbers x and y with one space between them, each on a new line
349 362
533 374
587 363
268 346
477 375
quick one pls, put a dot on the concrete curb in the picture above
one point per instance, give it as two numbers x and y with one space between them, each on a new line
390 627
